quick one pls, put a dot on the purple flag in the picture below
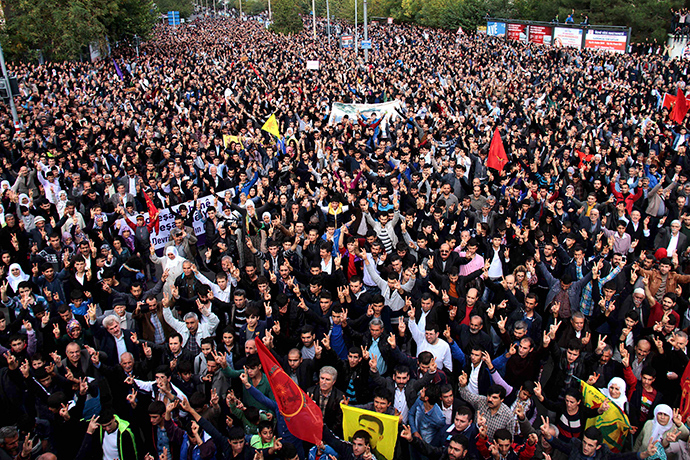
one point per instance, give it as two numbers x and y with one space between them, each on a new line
117 69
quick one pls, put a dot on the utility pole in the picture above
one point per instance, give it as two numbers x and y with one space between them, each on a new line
136 41
240 9
366 36
356 29
6 77
328 21
270 14
313 17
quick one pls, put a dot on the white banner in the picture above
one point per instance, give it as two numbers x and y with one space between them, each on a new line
567 37
386 109
166 218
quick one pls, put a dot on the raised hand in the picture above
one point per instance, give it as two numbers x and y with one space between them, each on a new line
406 433
463 379
545 428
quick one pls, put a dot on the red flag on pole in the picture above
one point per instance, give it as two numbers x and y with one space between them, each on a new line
302 416
680 109
153 212
685 395
668 102
497 154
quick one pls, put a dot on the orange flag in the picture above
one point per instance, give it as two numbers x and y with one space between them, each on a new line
497 154
680 109
302 416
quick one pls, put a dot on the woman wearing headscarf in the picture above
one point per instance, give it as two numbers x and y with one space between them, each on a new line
61 203
654 430
15 276
615 391
254 229
122 251
172 262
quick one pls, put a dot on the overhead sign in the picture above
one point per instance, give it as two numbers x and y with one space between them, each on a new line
496 29
173 18
347 41
365 44
540 35
517 32
567 37
608 40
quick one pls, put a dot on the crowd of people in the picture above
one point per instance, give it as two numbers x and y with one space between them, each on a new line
380 260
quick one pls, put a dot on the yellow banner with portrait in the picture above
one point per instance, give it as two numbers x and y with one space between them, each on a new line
382 428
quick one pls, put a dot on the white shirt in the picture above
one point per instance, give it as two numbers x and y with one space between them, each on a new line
496 268
327 267
672 245
121 346
218 293
473 381
447 413
400 403
109 446
440 350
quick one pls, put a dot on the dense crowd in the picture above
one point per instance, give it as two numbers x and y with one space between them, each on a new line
380 260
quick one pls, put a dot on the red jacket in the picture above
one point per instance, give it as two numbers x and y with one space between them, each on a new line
629 199
517 452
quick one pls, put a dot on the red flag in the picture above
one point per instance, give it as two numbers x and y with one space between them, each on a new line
497 154
680 109
668 102
153 213
685 395
302 416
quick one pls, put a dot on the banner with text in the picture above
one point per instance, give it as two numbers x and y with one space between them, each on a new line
540 35
567 37
517 32
496 29
607 40
385 110
167 220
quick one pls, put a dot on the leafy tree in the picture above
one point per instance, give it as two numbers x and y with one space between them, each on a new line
185 7
286 19
62 28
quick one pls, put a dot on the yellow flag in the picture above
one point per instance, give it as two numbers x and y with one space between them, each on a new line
271 126
613 423
227 139
382 428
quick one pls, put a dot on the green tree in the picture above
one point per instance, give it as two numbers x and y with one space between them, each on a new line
185 7
61 29
286 19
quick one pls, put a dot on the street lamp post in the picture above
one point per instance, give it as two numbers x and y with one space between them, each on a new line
136 43
366 35
313 17
356 29
328 22
6 77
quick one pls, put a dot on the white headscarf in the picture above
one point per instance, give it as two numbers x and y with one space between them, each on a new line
658 429
172 263
24 200
15 280
622 400
61 203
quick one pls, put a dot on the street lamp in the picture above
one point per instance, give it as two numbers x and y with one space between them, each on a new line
366 35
